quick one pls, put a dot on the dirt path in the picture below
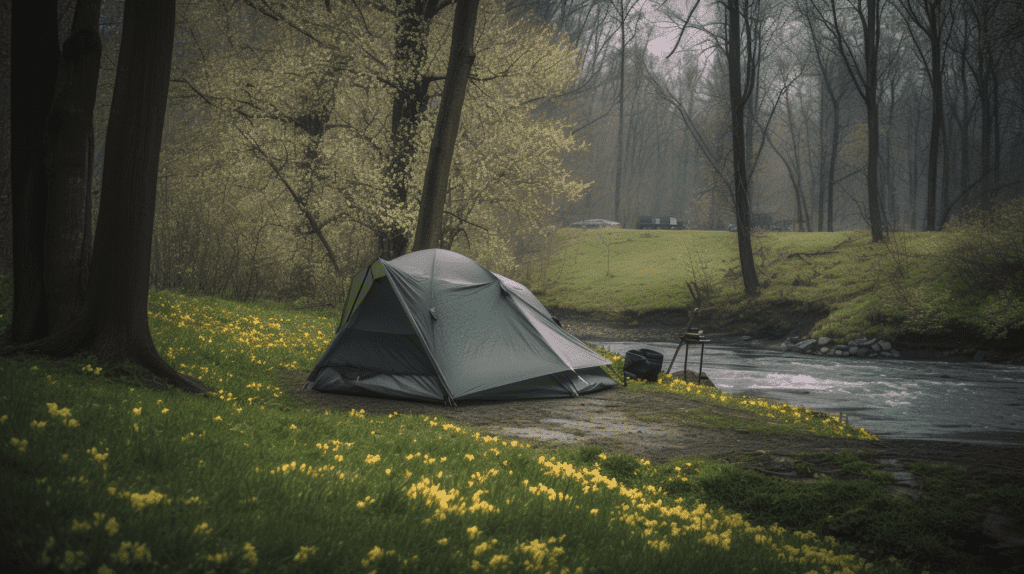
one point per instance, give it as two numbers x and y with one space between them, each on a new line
654 426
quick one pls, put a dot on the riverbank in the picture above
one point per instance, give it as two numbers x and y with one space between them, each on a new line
772 329
916 290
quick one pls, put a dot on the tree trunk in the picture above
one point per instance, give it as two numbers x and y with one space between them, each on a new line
411 30
937 112
622 118
35 76
442 147
871 101
68 163
737 104
115 324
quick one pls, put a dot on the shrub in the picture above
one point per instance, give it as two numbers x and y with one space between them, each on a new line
987 251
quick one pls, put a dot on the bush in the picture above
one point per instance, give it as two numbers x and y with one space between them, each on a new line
988 249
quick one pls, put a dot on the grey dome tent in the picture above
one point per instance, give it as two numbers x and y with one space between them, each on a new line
435 325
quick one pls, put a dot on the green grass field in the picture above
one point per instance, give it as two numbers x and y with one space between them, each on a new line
850 286
102 475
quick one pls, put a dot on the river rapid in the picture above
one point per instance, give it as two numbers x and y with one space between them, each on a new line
892 398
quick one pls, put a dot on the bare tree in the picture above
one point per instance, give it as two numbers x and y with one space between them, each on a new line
860 57
931 18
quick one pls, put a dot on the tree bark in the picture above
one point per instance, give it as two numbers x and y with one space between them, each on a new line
36 80
68 170
114 325
446 131
739 162
410 100
871 30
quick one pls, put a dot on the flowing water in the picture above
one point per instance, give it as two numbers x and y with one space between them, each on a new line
892 398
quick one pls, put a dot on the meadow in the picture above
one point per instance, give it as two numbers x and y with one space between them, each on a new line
848 285
103 475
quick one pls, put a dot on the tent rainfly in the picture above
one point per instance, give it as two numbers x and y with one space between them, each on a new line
437 326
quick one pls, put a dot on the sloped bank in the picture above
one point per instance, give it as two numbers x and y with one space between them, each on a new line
785 324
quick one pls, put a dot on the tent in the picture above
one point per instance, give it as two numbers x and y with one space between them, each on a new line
437 326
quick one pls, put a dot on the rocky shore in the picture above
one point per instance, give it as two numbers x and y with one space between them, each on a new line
860 347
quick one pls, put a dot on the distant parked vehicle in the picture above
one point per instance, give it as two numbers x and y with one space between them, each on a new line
595 224
649 222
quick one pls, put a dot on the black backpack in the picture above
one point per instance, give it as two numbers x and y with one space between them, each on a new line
643 364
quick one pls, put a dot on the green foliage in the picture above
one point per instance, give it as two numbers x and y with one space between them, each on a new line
281 155
987 258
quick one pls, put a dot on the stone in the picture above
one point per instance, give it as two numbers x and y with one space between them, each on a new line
886 345
854 349
875 347
842 347
823 350
822 341
846 353
886 354
872 355
870 342
804 345
979 356
831 352
862 352
895 353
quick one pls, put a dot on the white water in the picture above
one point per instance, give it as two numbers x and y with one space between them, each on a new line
894 398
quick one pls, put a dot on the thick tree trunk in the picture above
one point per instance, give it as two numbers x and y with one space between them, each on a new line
115 324
68 170
411 30
35 77
739 159
442 148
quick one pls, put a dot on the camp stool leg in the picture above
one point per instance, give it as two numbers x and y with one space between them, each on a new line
686 360
700 369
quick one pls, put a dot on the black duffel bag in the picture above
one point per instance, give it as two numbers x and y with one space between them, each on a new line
643 364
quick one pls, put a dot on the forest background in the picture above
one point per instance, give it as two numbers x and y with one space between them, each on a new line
297 133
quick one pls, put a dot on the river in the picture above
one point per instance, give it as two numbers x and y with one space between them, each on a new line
891 398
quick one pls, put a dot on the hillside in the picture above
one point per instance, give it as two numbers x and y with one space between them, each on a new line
836 284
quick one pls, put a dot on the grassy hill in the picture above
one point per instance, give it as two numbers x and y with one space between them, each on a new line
836 284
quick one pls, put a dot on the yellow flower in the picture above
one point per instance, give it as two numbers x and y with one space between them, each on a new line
104 569
37 424
137 411
304 553
111 526
443 542
72 423
203 528
250 553
163 412
372 458
19 444
473 532
140 501
469 457
217 418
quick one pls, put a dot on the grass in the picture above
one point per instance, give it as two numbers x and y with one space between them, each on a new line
846 284
120 478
